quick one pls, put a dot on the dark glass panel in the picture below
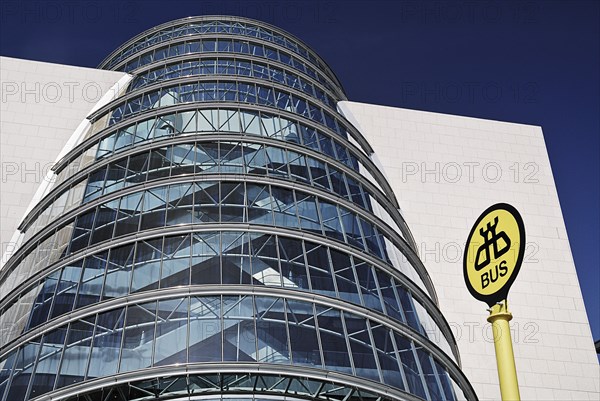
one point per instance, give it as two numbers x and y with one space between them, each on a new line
333 340
43 302
410 366
368 286
388 360
171 332
104 360
66 289
92 280
205 344
344 277
77 351
138 337
303 334
48 360
176 261
118 275
360 344
206 250
239 336
146 272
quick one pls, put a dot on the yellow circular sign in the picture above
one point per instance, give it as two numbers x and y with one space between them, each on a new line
494 253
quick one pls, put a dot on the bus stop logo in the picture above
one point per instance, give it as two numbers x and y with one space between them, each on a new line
500 244
494 252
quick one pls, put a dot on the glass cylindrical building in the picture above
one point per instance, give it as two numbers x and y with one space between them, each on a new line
221 231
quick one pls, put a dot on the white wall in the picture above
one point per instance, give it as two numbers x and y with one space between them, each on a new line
42 104
445 171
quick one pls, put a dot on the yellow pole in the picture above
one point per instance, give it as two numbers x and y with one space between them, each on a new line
505 358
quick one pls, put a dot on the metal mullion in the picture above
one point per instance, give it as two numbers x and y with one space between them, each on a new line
436 376
378 289
357 282
395 290
62 355
11 375
34 365
347 339
390 333
374 349
420 369
318 334
221 316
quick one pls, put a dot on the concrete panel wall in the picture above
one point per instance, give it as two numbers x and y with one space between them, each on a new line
42 105
445 170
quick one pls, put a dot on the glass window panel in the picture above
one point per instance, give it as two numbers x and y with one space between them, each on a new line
129 214
319 271
332 225
284 207
307 211
118 275
138 337
360 344
303 334
106 215
344 277
43 301
104 360
182 159
409 309
206 250
171 332
333 340
271 331
176 261
264 259
446 382
154 208
76 354
255 159
48 360
160 164
22 370
368 286
410 366
67 289
92 280
435 391
205 343
386 285
180 204
388 360
233 202
82 230
115 176
146 272
239 337
260 204
206 202
235 258
137 168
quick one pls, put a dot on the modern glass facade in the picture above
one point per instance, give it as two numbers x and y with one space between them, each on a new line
221 231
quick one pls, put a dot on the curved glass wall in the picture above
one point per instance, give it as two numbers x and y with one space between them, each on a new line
220 232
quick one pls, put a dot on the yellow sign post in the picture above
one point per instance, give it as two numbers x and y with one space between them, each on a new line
505 359
493 256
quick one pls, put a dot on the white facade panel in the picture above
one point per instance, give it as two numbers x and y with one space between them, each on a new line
43 104
445 170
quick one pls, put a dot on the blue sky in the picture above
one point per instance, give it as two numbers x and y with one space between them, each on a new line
527 62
